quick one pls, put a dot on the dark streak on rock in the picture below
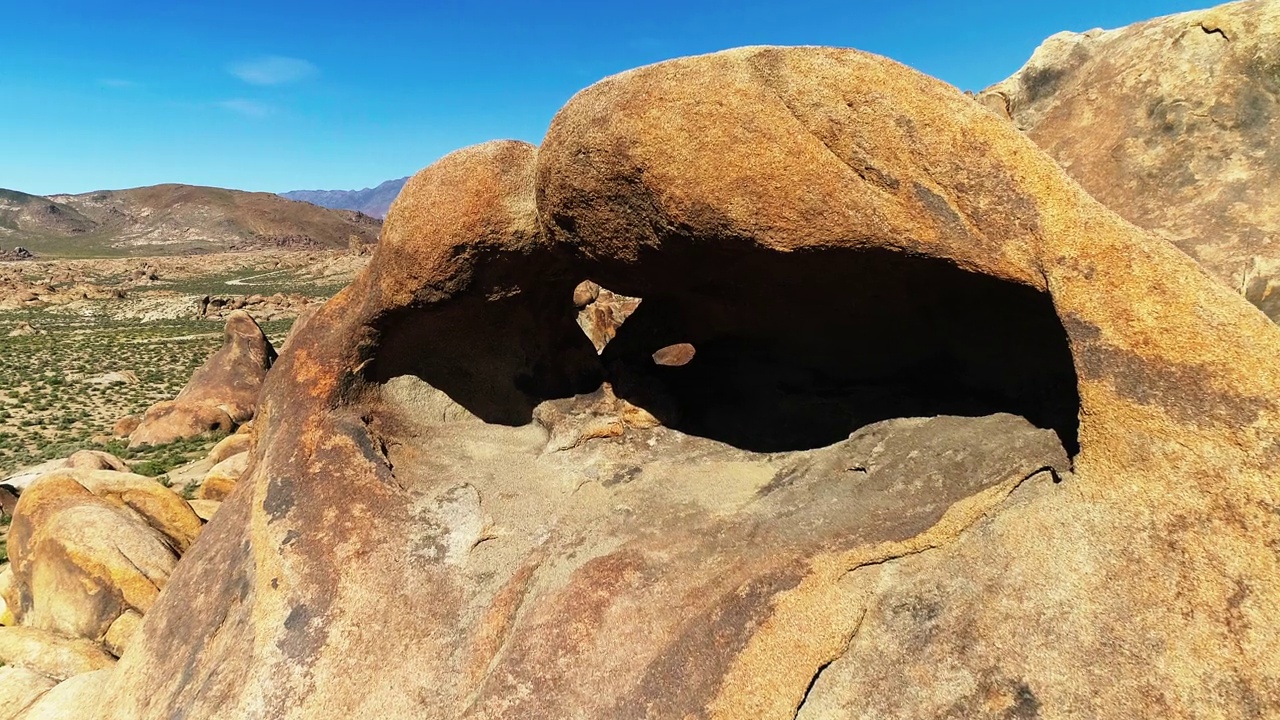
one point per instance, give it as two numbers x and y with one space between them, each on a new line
1183 390
300 641
280 497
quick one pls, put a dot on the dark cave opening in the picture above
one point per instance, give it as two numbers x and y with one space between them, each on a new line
797 350
772 351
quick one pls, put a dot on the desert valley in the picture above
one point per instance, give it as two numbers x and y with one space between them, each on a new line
779 382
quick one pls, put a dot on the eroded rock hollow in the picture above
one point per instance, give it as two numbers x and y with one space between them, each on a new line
905 425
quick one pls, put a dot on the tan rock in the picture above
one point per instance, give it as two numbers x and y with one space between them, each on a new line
205 508
20 689
222 478
677 355
83 459
75 697
156 504
170 421
8 501
235 444
96 460
22 478
1174 123
858 503
50 654
121 632
7 595
585 293
232 377
186 479
126 425
603 314
79 561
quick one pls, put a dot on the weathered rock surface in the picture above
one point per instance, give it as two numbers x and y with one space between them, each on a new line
1174 123
19 689
170 420
221 393
601 312
901 312
49 654
84 550
6 594
126 425
75 697
8 501
231 445
205 509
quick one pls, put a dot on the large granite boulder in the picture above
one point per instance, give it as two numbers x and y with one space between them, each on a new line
1174 123
88 547
221 394
950 437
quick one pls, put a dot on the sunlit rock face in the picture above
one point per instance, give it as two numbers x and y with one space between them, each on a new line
948 437
1174 123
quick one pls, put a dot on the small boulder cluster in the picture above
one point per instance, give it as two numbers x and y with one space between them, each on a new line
90 546
267 307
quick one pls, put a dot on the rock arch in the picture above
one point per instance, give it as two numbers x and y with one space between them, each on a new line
427 556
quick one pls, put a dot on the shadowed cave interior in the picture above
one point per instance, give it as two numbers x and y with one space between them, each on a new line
793 350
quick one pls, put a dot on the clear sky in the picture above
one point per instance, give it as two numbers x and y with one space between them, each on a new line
286 95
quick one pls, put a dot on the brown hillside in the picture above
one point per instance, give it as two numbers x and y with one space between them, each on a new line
174 219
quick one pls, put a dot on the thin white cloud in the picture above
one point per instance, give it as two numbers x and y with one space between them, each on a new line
117 83
247 108
272 70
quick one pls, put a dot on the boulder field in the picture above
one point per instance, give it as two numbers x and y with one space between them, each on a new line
940 436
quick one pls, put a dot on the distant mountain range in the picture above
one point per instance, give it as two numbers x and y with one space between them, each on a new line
173 220
371 201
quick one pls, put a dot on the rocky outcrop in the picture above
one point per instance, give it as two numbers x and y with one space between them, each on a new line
89 546
850 497
49 654
19 690
72 698
1174 124
221 394
90 550
272 307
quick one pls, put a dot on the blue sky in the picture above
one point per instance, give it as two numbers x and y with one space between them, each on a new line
279 96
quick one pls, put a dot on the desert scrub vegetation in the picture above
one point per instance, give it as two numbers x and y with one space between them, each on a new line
52 401
250 280
155 461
